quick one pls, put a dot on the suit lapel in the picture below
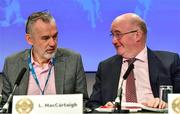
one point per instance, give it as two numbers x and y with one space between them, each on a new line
59 69
116 67
153 72
22 89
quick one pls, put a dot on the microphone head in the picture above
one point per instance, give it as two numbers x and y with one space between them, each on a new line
130 68
20 76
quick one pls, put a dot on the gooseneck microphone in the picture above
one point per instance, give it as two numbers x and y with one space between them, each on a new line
20 76
16 84
120 90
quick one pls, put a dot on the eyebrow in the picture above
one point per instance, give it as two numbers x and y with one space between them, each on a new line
115 31
44 36
55 34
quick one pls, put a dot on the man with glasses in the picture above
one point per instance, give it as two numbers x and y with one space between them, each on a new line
151 68
50 70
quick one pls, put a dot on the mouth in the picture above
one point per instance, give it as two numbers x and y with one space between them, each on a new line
50 51
118 46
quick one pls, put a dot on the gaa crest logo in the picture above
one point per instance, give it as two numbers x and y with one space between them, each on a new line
24 106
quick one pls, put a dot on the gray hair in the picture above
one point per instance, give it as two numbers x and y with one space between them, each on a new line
142 26
44 16
137 20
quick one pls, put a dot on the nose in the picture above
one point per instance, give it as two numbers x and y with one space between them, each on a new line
114 41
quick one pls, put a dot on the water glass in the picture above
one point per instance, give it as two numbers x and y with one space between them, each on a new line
164 90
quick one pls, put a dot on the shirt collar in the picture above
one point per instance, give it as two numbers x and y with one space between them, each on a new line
142 56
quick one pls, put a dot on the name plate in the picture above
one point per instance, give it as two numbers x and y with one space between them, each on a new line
48 104
173 103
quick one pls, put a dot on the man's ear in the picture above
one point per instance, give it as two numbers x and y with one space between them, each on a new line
139 35
29 39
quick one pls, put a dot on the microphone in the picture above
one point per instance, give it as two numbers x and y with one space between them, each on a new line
20 76
16 84
120 90
130 68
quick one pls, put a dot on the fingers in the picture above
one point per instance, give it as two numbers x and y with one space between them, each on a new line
162 105
156 103
153 103
109 104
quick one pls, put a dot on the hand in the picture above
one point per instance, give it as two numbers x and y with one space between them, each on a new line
155 103
108 105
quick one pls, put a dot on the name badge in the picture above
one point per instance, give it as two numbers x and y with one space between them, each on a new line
48 104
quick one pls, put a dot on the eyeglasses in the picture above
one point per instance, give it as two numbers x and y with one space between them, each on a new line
119 35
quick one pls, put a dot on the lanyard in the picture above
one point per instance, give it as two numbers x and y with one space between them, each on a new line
34 74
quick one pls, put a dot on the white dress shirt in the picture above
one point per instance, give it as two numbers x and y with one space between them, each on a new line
141 75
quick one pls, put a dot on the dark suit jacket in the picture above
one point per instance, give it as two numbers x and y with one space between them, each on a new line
69 73
164 69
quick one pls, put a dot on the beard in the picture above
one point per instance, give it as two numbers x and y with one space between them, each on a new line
49 55
41 54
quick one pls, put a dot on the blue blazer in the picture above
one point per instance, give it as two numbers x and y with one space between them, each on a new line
164 69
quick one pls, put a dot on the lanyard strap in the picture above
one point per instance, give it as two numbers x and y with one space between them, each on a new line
34 74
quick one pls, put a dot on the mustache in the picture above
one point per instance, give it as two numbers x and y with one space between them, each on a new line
51 48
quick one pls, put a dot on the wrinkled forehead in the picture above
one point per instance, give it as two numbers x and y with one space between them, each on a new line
121 25
41 27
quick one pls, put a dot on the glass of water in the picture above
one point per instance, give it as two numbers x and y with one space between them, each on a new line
164 90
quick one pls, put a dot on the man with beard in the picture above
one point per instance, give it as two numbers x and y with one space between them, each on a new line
50 70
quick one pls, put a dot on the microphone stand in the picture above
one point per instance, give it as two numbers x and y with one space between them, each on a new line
6 106
17 82
118 107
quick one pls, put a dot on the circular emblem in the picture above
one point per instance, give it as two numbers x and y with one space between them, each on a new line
24 106
176 105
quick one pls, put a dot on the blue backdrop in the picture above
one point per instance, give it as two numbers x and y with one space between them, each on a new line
84 25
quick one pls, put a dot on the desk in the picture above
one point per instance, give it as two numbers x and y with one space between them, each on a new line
115 113
126 113
143 112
